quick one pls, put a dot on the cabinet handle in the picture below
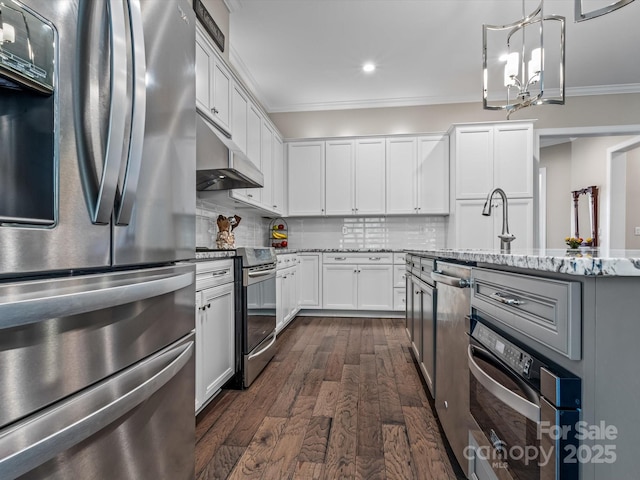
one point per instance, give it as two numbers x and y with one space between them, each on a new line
249 195
219 273
340 258
215 110
275 206
375 258
506 300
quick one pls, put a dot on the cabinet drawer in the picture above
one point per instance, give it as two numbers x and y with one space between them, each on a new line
545 310
399 258
213 273
399 275
373 258
286 260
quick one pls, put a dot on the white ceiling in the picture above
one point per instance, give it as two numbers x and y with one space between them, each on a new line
301 55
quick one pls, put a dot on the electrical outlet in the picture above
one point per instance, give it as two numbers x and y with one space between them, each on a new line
344 230
637 231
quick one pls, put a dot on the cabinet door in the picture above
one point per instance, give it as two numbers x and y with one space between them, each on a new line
428 346
521 222
239 105
221 105
402 175
267 166
473 230
204 67
433 175
278 176
254 146
280 307
370 176
340 172
216 339
293 293
474 161
513 159
310 281
306 178
375 287
339 284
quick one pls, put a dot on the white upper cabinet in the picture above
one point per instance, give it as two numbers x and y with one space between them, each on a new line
267 165
340 158
402 175
370 176
513 159
254 147
474 161
213 83
239 107
306 167
433 175
418 175
278 176
496 155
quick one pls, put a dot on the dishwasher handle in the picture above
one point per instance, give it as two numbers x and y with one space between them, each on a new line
440 277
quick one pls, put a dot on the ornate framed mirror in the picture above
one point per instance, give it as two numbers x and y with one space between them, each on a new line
592 206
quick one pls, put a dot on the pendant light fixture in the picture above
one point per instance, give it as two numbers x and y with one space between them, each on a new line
524 62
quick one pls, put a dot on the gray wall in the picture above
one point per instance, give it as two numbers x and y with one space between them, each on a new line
577 112
633 199
557 160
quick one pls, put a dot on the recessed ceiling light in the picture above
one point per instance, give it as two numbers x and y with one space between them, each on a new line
368 67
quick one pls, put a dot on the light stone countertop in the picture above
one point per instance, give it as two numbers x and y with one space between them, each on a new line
215 255
620 263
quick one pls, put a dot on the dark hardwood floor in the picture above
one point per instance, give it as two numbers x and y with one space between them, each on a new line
342 398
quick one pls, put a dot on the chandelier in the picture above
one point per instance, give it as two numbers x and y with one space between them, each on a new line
523 62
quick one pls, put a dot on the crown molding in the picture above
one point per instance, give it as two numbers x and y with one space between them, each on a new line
246 77
232 5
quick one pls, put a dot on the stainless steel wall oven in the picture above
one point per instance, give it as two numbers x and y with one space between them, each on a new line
525 409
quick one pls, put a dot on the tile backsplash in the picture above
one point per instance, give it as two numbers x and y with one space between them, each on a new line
367 232
251 232
317 232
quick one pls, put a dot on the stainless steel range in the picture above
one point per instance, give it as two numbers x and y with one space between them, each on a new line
257 322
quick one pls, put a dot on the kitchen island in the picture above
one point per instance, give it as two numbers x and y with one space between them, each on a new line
579 310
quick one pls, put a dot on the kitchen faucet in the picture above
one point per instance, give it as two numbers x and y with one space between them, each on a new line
505 237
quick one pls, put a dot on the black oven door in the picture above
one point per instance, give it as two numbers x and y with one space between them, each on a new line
507 412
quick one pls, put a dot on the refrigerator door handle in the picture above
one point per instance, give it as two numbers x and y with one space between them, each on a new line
127 199
103 208
56 304
37 440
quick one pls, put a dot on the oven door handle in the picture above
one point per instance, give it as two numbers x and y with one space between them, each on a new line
261 273
262 350
502 393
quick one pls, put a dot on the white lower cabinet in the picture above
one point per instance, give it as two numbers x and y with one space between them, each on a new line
339 287
215 352
357 282
310 280
287 304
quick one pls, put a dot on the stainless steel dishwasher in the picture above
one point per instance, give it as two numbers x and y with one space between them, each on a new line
452 393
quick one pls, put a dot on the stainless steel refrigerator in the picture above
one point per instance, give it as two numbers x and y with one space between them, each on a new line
97 210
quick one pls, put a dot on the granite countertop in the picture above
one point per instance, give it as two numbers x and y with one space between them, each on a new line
596 262
281 251
215 254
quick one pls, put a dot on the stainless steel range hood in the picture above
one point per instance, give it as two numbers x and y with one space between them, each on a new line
220 164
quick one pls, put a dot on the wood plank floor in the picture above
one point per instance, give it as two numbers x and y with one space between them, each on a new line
342 399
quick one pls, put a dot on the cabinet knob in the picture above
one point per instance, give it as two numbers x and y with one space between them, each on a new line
249 195
208 305
215 110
